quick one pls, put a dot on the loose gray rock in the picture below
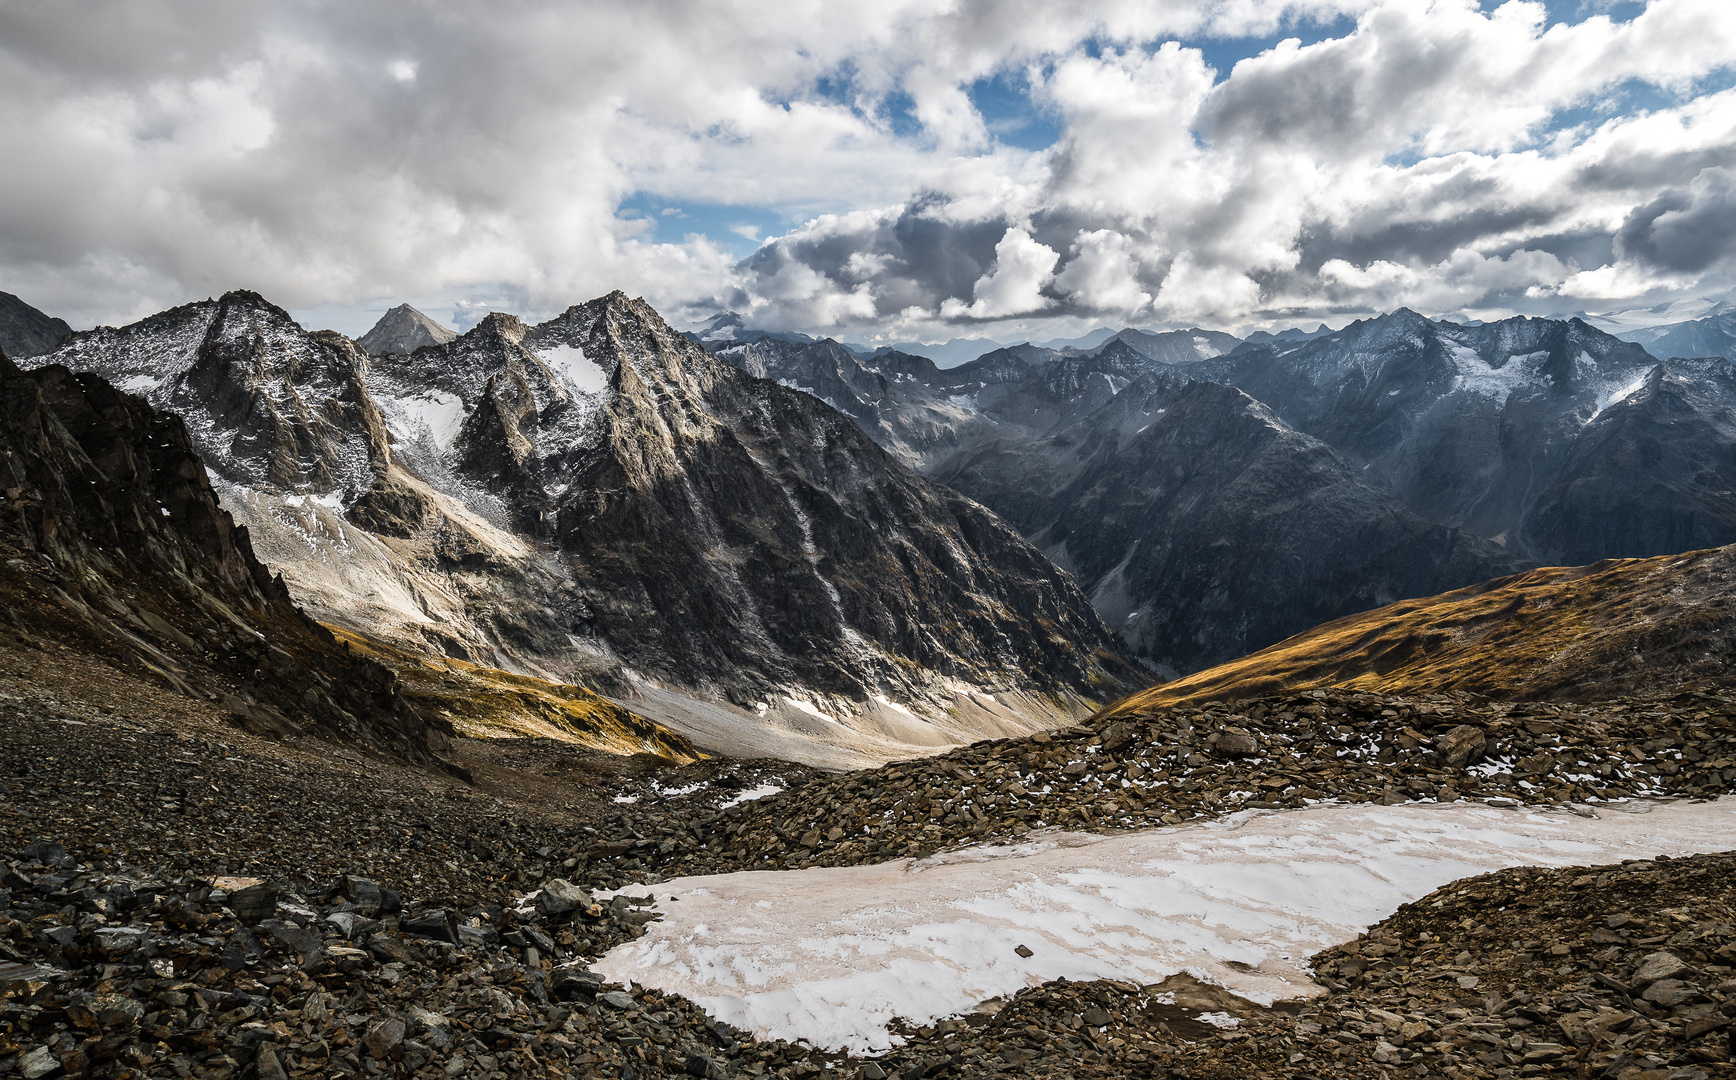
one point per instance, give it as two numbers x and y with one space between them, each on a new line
561 896
1463 745
1659 965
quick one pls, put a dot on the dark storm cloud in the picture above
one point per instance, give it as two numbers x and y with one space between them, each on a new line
915 257
1686 229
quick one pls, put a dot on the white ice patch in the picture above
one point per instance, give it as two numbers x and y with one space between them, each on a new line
764 791
893 705
968 402
142 385
1476 377
434 413
809 708
1204 348
1617 394
830 955
577 370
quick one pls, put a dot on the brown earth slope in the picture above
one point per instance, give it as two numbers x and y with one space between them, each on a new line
1615 628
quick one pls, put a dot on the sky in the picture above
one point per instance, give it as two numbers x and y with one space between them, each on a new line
871 170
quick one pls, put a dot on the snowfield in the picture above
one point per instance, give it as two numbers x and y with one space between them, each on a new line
831 955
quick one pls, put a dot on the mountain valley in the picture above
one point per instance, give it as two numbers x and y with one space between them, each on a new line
533 543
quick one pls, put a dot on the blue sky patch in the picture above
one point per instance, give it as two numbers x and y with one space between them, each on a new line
737 229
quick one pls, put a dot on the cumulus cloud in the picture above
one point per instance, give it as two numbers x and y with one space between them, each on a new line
1104 273
1435 153
1014 285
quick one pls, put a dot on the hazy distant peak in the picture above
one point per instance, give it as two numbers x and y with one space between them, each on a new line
25 331
403 330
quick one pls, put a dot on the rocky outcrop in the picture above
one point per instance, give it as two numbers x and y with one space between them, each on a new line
266 402
1204 528
403 330
25 331
114 537
1562 442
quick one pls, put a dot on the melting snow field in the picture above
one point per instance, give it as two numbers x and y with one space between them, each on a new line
831 955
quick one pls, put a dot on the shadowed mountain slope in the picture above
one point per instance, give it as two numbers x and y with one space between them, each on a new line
1564 443
1202 527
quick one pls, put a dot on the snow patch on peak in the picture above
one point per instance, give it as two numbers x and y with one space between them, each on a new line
579 372
809 708
1615 394
432 414
1476 376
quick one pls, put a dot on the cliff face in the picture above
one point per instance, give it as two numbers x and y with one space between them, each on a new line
807 540
114 535
25 331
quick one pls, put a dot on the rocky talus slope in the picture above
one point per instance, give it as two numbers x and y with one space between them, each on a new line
394 923
483 703
112 538
112 971
1169 765
1616 627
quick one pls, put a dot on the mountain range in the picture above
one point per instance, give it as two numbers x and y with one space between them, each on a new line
597 500
868 549
1400 456
1562 442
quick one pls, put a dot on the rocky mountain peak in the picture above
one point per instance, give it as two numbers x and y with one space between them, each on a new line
500 324
598 491
403 330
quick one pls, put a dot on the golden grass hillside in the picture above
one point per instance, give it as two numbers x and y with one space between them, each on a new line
1617 627
487 703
